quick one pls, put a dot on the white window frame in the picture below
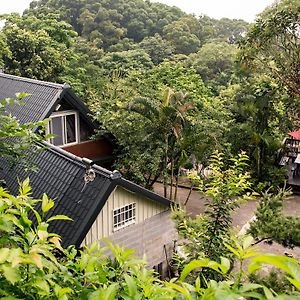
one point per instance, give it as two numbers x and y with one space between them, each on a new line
124 222
63 114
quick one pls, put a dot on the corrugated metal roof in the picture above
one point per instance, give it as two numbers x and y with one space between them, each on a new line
37 106
295 134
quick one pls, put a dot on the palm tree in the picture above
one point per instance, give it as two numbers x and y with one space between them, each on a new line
168 119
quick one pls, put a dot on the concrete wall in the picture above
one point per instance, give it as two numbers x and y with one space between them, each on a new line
149 238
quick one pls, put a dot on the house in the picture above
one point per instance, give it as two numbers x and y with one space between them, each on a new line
101 202
69 117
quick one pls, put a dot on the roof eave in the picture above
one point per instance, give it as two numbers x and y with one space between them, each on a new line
143 191
84 111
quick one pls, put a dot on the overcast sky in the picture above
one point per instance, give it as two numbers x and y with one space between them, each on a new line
234 9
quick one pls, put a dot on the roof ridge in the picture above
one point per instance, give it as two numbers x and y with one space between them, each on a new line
115 176
40 82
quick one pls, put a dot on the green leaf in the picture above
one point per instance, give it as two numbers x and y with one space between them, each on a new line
4 253
234 251
43 286
131 285
295 282
59 217
226 263
61 293
25 188
22 95
47 203
249 287
105 293
247 241
268 293
204 263
11 274
180 289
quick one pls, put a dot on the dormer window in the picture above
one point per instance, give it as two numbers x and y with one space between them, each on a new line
64 125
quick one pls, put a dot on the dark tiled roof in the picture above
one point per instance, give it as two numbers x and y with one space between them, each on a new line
38 105
60 176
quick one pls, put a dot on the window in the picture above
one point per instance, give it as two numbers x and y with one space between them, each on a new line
124 216
64 126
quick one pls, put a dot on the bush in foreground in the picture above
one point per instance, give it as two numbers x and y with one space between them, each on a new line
33 265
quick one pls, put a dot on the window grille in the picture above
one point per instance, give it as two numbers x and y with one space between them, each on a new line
123 216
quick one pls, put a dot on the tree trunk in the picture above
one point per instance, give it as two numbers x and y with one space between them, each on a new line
172 178
258 162
177 182
188 197
165 171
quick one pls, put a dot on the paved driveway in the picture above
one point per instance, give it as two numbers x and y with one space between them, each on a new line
241 216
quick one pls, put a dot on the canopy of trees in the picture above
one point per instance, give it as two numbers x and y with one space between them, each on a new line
116 53
172 88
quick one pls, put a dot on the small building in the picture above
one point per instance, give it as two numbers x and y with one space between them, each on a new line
290 157
69 117
101 202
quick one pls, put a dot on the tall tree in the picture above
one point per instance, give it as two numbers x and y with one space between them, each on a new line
169 117
142 144
231 31
259 111
273 44
215 64
158 48
36 48
225 188
125 61
183 35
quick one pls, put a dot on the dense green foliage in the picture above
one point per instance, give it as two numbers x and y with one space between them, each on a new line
33 265
259 109
215 62
271 224
17 139
225 188
30 267
36 48
273 44
171 88
113 53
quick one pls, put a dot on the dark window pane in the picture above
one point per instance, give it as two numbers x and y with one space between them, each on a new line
57 131
70 128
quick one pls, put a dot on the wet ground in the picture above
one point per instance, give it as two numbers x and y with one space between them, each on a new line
241 216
